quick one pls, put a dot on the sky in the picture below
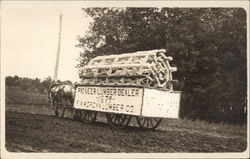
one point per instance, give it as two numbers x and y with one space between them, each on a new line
29 34
30 39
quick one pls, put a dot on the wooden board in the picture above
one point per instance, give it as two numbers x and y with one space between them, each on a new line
124 100
138 101
157 103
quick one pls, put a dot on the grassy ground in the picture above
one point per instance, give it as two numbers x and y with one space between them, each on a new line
215 129
206 127
22 97
26 132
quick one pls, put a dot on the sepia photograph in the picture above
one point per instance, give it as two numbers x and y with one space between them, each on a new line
110 79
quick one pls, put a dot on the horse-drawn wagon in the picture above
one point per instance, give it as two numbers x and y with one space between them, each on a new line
133 85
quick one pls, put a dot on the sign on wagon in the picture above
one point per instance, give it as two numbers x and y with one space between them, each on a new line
125 100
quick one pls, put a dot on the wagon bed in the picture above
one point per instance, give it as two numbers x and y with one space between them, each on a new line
121 103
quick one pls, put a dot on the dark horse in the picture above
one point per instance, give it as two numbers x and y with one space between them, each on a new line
61 95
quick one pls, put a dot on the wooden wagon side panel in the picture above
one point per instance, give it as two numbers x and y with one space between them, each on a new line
121 100
163 104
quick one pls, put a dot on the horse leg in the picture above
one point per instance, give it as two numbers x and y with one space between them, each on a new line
64 108
74 114
56 111
53 104
71 110
70 106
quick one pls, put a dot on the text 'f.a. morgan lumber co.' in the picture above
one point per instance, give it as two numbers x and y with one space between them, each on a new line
126 100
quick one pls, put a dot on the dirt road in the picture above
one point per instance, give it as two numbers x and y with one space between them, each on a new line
37 132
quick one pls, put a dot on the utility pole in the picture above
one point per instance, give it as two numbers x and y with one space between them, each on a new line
58 49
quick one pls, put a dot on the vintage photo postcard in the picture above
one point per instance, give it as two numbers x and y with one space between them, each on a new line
124 79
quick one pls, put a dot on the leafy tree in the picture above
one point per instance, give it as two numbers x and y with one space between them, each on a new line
208 46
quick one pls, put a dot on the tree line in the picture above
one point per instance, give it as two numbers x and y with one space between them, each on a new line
208 46
30 85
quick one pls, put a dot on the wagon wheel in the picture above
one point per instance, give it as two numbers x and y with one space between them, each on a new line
148 123
88 116
118 120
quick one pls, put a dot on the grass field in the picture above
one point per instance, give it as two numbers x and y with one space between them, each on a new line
22 97
37 132
185 125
